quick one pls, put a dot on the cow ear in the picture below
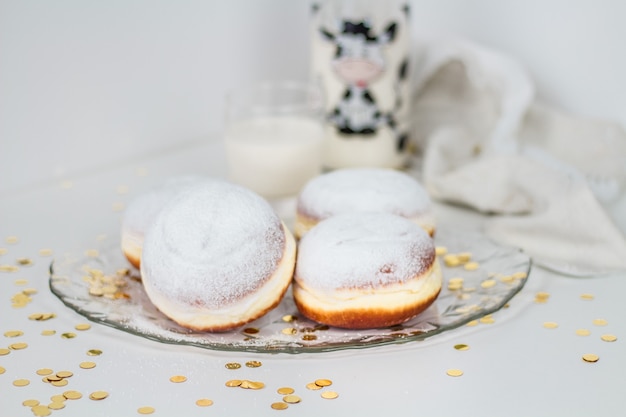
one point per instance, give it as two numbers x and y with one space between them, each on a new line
389 34
327 35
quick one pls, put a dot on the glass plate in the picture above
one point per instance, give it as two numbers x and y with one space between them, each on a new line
96 286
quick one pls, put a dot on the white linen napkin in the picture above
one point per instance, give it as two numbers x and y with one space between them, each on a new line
543 175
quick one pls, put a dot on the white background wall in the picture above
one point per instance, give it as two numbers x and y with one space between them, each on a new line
85 84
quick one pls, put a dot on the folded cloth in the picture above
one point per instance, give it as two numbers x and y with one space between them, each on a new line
541 174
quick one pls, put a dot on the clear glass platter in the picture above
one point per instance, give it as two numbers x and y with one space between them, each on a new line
102 286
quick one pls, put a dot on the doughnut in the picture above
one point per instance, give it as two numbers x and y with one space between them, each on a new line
217 257
141 212
363 190
365 270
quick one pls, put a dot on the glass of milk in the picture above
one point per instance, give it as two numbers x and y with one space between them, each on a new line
274 135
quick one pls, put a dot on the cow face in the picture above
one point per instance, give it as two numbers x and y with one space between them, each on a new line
358 58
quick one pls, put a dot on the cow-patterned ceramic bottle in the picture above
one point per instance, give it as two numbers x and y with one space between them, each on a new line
360 58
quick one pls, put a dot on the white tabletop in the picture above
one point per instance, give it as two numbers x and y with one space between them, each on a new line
514 366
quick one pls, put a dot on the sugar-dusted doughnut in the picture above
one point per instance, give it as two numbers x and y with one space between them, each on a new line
143 209
365 270
217 257
363 190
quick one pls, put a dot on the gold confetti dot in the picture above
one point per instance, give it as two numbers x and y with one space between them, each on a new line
83 326
41 410
461 346
68 335
454 372
64 374
233 365
3 251
72 395
56 405
178 379
21 382
251 330
4 351
488 319
292 399
542 297
60 383
323 382
18 346
48 332
279 406
472 323
146 410
87 365
9 268
59 398
20 282
24 261
98 395
586 296
45 252
2 370
44 371
253 364
464 256
30 403
451 260
583 332
489 283
12 240
288 318
441 250
550 325
329 395
608 337
600 322
289 330
313 386
285 390
520 275
94 352
253 384
234 383
204 402
590 357
309 337
471 266
13 333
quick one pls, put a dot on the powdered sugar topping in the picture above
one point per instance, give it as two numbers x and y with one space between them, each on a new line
213 244
364 250
363 189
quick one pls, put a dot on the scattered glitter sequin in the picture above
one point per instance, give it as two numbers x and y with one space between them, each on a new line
583 332
550 325
9 268
56 405
24 261
204 402
65 374
94 352
586 296
590 357
280 406
44 371
18 346
13 333
146 410
323 382
600 322
488 319
285 390
292 399
233 365
41 410
233 383
309 337
98 395
4 351
20 282
72 395
87 365
329 395
21 382
454 372
289 331
178 379
83 326
461 346
608 337
251 330
313 386
68 335
471 266
45 252
489 283
30 403
12 240
441 250
48 332
253 364
472 323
